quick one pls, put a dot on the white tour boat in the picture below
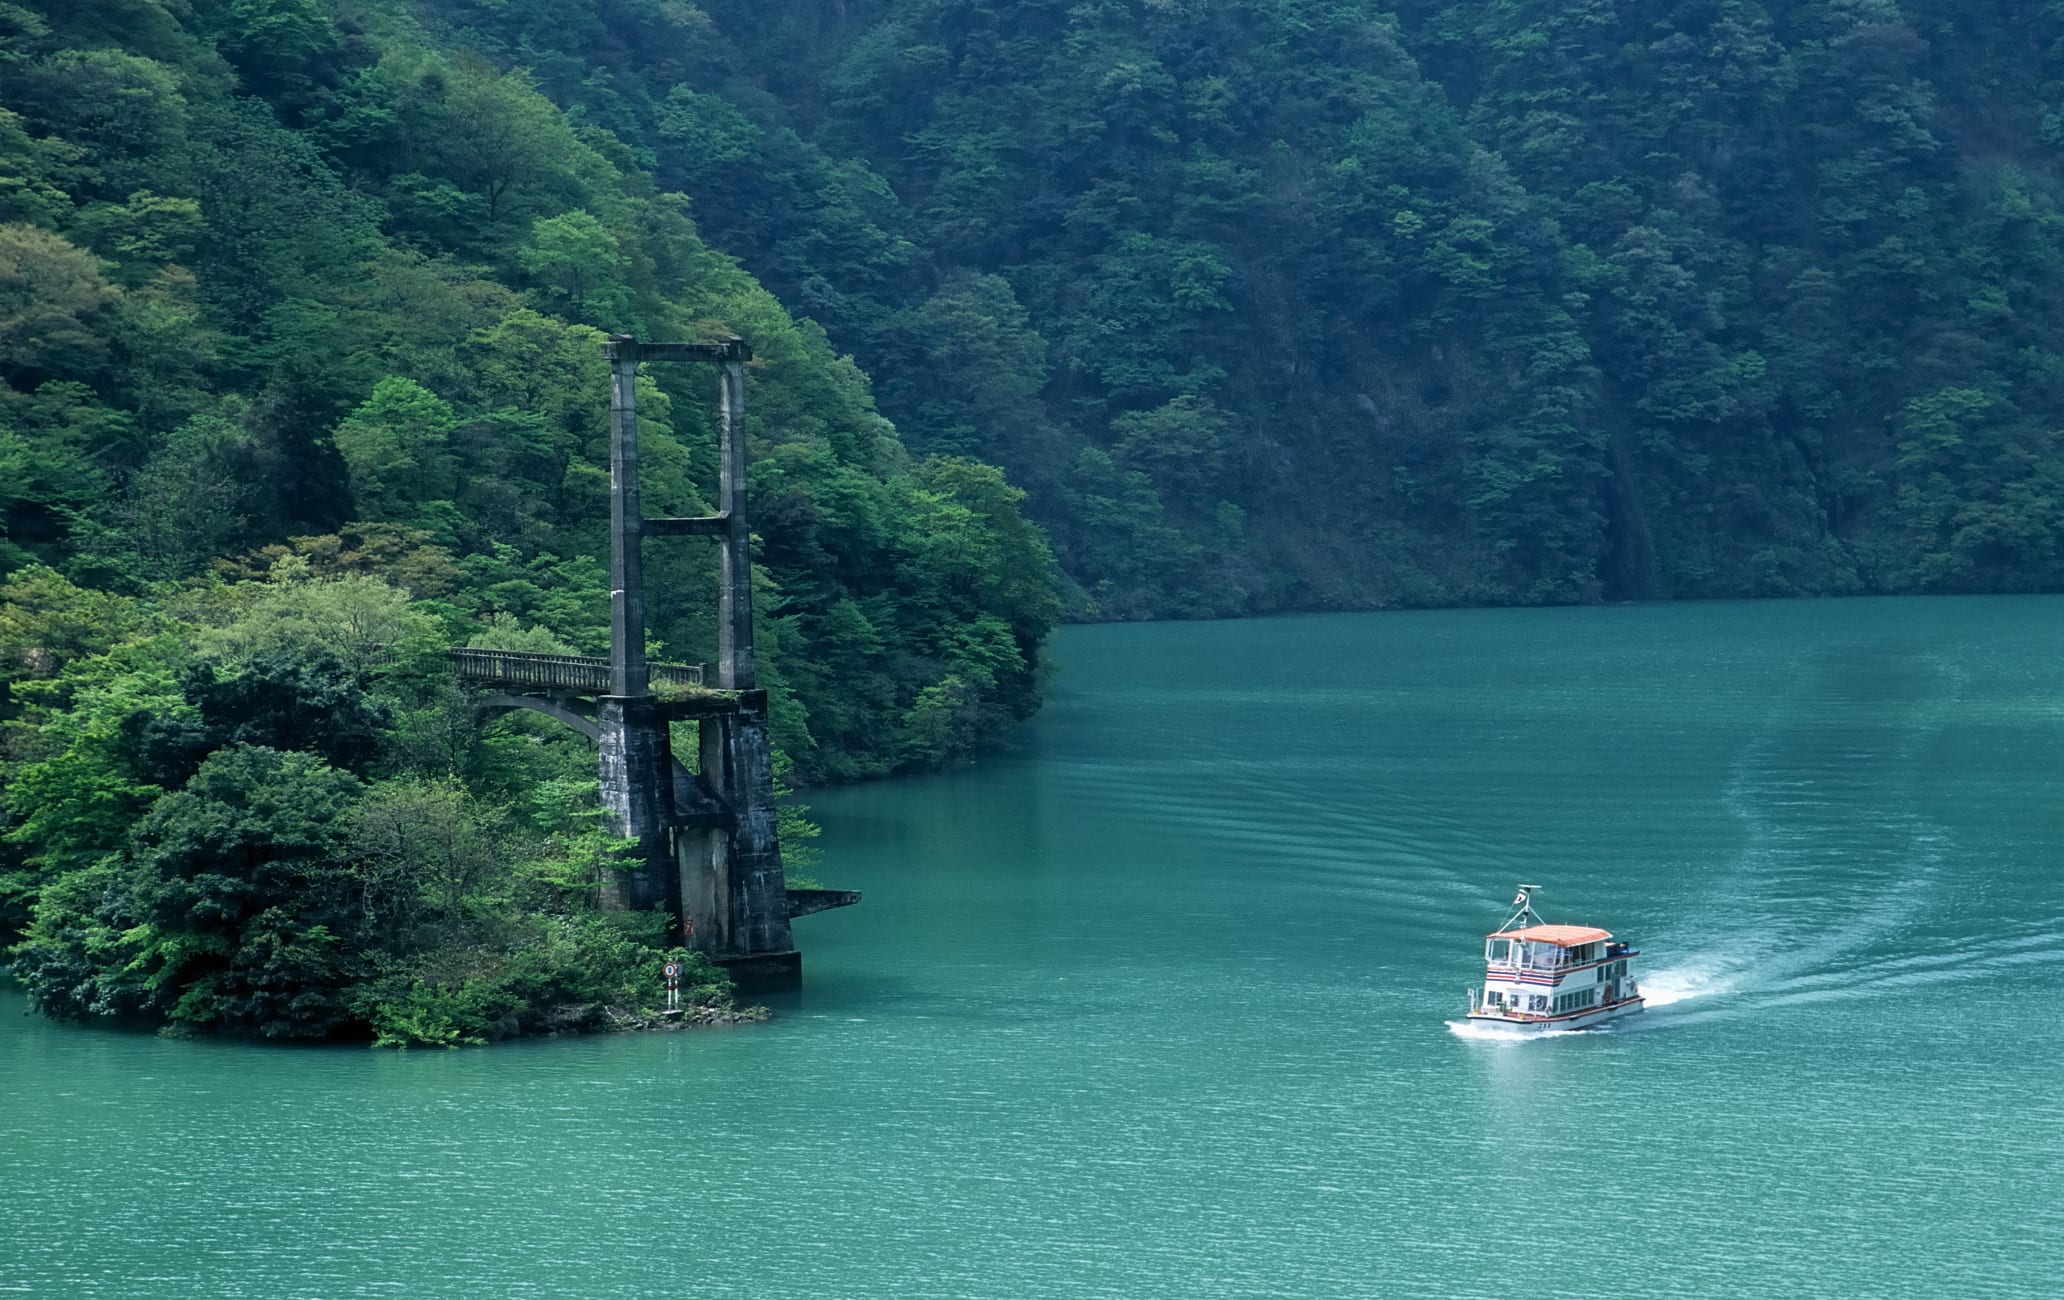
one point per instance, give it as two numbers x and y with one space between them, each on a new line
1542 978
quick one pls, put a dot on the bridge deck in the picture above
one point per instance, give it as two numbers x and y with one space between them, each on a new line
523 670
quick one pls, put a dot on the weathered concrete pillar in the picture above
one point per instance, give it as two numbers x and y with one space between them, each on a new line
637 799
637 777
737 761
628 675
734 600
703 861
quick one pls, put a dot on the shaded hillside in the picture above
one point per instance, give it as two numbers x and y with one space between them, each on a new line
1426 301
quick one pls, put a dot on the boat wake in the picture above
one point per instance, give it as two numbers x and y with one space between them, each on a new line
1479 1031
1476 1029
1677 984
1840 870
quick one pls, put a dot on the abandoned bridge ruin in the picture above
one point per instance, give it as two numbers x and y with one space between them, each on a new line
708 851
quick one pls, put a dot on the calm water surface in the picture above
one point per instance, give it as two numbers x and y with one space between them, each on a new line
1157 1004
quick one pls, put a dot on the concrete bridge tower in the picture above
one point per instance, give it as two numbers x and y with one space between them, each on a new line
709 851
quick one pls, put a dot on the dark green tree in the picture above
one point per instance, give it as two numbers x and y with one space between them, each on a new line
222 912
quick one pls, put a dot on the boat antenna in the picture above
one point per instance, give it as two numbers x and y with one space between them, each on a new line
1523 913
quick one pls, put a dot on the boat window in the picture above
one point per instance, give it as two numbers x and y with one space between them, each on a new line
1500 950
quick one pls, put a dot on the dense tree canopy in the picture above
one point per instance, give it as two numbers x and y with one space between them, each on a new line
217 817
1369 302
301 306
290 269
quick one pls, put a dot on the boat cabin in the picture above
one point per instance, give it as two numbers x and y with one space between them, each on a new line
1556 976
1552 970
1548 947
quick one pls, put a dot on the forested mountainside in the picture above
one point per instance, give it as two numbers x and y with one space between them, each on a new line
1370 302
298 278
300 385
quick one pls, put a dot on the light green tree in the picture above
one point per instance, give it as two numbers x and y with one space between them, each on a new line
581 264
358 618
396 445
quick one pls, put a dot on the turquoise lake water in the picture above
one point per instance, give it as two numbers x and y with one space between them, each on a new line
1156 1004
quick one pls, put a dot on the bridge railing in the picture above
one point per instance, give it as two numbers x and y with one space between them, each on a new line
676 674
578 674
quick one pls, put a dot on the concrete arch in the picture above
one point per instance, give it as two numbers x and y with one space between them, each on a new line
539 704
694 802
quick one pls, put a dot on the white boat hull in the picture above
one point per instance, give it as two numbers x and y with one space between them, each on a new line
1529 1024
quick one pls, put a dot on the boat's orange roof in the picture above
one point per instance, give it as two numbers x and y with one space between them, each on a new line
1562 936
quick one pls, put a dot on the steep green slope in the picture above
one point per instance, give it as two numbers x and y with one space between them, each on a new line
277 267
1334 302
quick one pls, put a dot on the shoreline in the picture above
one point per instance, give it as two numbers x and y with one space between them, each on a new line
667 1022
